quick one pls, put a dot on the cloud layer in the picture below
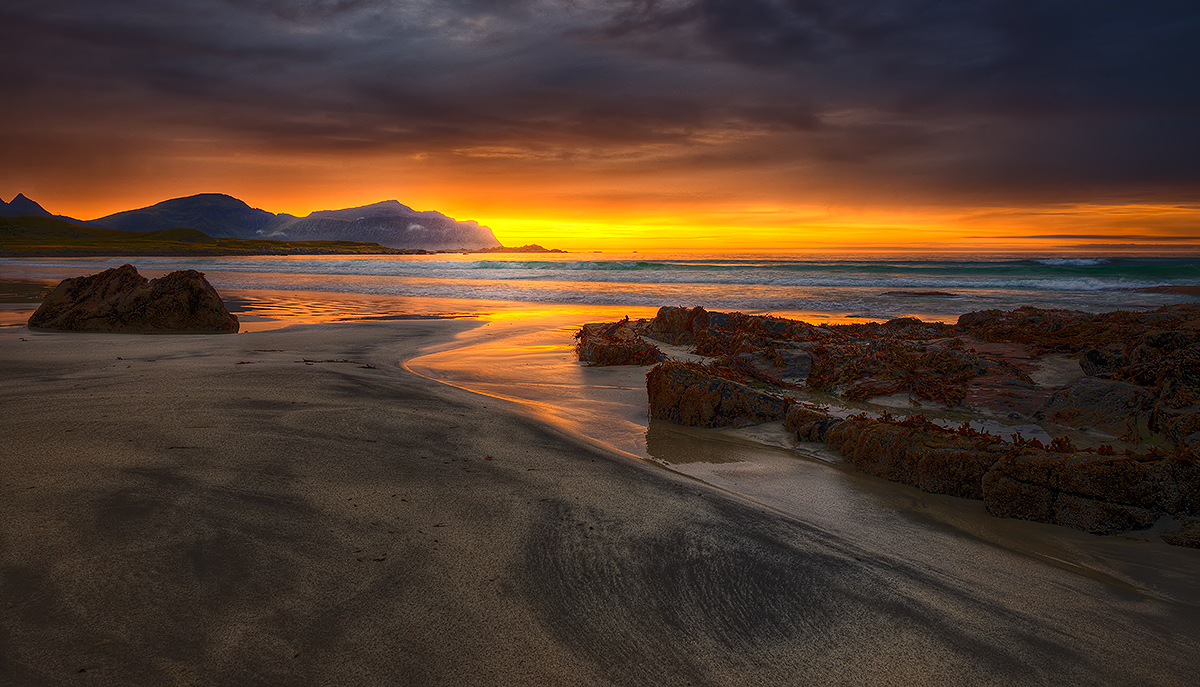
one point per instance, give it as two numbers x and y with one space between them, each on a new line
983 101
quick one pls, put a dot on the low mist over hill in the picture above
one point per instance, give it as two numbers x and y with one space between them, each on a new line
389 223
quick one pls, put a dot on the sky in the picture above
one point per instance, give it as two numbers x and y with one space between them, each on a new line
742 125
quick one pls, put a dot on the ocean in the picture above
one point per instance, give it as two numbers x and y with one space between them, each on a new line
937 287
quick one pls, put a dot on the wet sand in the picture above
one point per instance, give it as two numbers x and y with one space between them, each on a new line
217 510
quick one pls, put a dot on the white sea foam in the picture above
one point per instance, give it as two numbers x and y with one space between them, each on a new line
1072 262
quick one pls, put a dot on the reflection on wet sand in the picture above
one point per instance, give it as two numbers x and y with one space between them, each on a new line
528 358
19 298
263 310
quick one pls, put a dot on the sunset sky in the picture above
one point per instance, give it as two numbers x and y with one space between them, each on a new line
973 125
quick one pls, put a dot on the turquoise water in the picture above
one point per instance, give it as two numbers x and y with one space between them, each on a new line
856 287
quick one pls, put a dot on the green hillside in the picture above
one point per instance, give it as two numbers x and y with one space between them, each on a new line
48 236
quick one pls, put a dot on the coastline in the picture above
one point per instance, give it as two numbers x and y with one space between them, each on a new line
532 361
215 509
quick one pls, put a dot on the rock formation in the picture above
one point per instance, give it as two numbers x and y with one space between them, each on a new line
617 343
1133 399
698 395
121 300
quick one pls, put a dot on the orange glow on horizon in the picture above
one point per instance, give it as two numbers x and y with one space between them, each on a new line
781 229
671 210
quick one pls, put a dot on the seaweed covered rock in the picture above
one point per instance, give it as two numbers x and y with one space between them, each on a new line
673 324
807 423
616 343
121 300
865 368
697 395
1094 490
1164 356
1143 387
1096 493
721 333
1074 331
905 328
917 452
1103 361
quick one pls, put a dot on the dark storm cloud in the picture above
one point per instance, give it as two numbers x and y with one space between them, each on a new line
1075 97
1018 55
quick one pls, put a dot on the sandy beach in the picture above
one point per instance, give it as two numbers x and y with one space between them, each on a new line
295 507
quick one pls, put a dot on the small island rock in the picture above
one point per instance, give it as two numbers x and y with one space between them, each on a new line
121 300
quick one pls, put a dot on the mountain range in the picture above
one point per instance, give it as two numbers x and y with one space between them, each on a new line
221 216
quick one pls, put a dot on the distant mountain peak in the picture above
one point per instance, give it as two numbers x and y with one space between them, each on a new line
386 208
217 199
21 206
215 214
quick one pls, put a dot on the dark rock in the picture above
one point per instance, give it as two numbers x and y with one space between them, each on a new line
1156 358
808 424
1187 535
799 415
1119 479
954 471
1179 480
1103 361
1090 492
788 364
690 394
121 300
1100 517
1005 497
1119 408
673 324
616 343
932 459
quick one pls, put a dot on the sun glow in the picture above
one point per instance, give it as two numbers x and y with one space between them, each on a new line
778 229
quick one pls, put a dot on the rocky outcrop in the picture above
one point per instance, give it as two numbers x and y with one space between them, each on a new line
807 423
1142 389
918 453
1074 331
720 333
616 343
697 395
1092 492
1096 491
673 325
121 300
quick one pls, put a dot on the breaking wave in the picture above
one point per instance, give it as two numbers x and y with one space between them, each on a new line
756 283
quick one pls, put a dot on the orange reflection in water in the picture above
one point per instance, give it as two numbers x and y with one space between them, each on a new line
260 310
